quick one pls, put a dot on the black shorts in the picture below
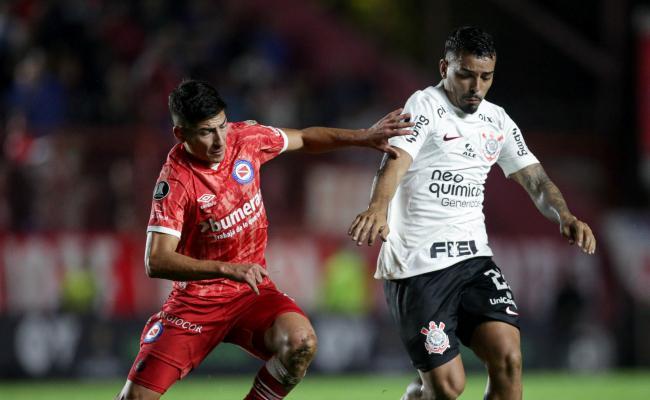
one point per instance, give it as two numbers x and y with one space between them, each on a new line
433 311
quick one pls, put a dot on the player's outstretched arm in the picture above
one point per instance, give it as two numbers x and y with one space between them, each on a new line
551 204
373 221
321 139
162 261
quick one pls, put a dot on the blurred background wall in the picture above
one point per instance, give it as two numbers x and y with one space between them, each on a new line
84 129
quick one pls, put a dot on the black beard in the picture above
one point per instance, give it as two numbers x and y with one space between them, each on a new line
470 108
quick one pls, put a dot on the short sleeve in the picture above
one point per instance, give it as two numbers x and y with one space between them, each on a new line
270 141
515 154
170 199
422 116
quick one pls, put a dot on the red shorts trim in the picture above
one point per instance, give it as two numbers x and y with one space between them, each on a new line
176 339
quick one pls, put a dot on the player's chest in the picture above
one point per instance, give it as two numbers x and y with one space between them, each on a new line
473 143
233 186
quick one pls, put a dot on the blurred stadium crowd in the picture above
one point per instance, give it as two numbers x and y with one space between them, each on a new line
84 129
83 81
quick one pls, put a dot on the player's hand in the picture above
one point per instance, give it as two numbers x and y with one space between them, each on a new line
393 124
578 232
252 274
367 225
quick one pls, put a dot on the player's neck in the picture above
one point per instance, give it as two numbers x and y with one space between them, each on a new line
197 160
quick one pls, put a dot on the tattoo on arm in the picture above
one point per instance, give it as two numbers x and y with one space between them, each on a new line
543 192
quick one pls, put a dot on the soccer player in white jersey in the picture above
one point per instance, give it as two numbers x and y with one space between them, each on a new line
440 282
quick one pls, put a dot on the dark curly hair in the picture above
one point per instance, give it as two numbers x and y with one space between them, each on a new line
194 101
472 40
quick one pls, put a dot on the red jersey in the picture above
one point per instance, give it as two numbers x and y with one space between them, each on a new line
217 211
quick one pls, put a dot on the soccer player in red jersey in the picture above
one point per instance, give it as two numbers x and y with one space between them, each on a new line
207 232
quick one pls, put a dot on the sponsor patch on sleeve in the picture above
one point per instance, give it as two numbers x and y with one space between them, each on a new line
161 190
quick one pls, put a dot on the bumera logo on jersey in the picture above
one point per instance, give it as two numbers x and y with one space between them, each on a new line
420 122
453 249
235 217
243 171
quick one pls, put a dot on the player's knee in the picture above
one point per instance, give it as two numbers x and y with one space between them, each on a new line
508 364
448 389
301 347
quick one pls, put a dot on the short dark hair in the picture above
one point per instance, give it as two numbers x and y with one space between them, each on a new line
193 101
472 40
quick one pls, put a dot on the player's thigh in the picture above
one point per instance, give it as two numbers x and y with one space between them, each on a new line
133 391
425 310
494 341
260 327
486 297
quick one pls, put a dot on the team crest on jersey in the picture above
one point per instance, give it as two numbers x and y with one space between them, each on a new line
491 145
437 341
161 190
243 171
154 332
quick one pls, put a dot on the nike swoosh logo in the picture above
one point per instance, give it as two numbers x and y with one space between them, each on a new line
510 312
447 138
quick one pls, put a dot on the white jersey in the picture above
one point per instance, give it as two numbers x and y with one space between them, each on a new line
436 216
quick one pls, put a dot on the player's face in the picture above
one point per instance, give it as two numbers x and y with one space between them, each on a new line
467 79
207 140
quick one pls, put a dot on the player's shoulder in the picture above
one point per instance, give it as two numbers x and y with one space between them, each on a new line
427 95
252 130
177 166
429 101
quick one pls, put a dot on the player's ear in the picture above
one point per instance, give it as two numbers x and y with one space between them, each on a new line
178 133
443 68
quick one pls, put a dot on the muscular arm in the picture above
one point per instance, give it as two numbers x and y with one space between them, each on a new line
321 139
162 261
373 221
551 204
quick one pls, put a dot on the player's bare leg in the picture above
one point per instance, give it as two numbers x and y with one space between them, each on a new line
497 344
133 391
293 342
445 382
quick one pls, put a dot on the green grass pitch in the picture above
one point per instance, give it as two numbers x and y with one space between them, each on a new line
556 385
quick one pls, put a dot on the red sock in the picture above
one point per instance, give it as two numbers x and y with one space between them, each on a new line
266 387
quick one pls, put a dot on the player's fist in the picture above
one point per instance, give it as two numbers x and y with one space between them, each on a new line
578 232
367 225
252 274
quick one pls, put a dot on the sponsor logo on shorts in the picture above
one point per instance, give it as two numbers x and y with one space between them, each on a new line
180 322
243 171
154 332
141 365
510 312
437 341
507 299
